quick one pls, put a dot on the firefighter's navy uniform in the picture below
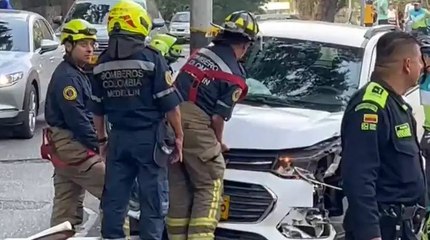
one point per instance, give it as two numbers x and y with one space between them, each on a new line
73 143
382 170
211 81
134 88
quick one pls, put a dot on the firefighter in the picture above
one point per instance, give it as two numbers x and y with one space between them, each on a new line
134 88
168 47
72 144
211 81
382 171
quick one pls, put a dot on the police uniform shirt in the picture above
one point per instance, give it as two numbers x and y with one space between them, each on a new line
216 97
136 92
381 162
67 100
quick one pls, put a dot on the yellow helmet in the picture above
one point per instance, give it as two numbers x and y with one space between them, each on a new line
129 17
77 29
159 45
241 22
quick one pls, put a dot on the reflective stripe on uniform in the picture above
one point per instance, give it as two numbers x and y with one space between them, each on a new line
177 237
219 102
124 64
215 58
216 199
210 222
201 236
96 99
177 222
164 93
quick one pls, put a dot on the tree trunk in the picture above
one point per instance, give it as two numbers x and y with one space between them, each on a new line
305 8
326 10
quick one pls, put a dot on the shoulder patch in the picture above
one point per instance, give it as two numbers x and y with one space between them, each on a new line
70 93
375 93
369 106
236 95
370 118
169 78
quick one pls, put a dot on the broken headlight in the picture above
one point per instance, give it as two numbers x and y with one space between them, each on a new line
320 160
305 223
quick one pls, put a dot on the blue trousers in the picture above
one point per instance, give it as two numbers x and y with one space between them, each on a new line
130 155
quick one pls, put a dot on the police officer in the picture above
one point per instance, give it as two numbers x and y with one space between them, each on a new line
212 81
134 88
73 142
381 167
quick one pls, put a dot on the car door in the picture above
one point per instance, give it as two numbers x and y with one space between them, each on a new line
56 56
39 60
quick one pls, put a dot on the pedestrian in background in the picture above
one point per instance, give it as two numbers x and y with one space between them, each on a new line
392 15
5 4
382 170
382 9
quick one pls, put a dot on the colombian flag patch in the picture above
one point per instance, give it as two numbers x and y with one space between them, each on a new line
370 118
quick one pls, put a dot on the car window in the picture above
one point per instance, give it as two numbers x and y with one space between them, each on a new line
37 35
304 74
13 34
96 12
46 34
181 17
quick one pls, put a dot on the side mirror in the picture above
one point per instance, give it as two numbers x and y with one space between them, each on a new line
58 20
158 23
48 45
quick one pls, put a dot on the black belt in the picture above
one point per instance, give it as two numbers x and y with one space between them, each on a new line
400 211
403 213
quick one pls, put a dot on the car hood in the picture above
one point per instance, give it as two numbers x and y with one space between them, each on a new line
180 24
10 59
269 128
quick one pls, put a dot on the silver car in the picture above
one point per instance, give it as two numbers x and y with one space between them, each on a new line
29 53
180 25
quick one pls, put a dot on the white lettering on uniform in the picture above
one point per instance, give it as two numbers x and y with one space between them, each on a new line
123 83
123 93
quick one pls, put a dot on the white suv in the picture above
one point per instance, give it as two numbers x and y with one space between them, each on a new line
301 75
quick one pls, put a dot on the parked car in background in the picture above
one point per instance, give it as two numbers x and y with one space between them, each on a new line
29 54
180 25
96 12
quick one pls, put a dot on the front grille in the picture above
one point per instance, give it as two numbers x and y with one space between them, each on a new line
227 234
250 160
103 44
249 203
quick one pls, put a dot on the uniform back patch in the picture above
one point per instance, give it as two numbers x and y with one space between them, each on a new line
236 95
370 118
70 93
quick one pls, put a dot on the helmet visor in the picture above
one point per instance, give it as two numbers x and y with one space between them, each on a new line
86 31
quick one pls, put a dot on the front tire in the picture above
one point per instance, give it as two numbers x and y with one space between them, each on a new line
27 129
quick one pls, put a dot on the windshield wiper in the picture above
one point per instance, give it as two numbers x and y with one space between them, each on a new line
267 99
314 103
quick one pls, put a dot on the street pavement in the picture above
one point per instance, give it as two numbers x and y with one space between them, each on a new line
26 189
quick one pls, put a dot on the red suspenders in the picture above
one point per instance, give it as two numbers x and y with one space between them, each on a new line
199 75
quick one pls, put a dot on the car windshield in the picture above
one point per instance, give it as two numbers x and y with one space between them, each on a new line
181 17
302 74
13 34
95 12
